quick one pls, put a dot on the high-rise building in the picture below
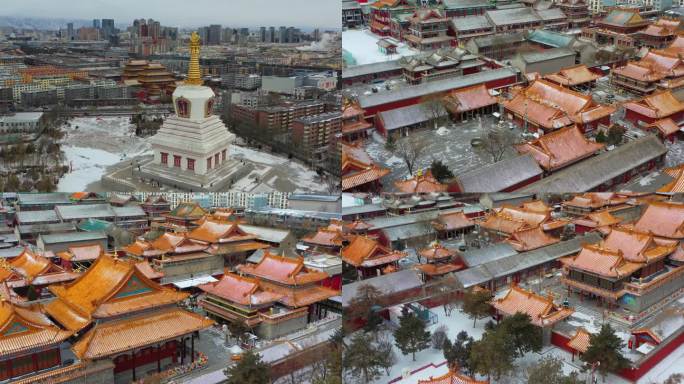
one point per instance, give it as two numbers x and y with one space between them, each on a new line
282 36
96 23
291 35
262 34
107 28
70 31
317 34
214 34
272 33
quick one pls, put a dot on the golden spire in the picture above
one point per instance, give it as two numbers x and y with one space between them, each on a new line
194 75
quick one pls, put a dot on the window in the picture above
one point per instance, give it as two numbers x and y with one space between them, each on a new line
208 163
223 154
209 107
183 107
191 164
164 158
216 160
176 161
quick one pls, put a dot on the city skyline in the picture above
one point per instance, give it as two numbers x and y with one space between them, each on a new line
237 13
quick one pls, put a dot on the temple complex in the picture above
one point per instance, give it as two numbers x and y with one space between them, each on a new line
619 28
438 261
369 257
123 316
359 172
156 81
548 106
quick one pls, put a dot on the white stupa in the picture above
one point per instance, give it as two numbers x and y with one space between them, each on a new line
191 147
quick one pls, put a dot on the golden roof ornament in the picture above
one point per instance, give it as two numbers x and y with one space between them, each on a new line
194 74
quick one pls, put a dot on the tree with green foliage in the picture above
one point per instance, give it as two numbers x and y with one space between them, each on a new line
492 355
412 335
373 321
361 359
440 171
457 354
615 134
390 143
525 336
601 137
605 349
250 369
549 370
476 304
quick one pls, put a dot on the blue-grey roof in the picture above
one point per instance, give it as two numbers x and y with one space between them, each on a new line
508 265
44 216
545 55
594 171
368 69
550 38
501 175
42 198
431 87
461 4
474 257
56 238
361 209
513 16
470 23
410 115
314 197
390 283
408 231
84 211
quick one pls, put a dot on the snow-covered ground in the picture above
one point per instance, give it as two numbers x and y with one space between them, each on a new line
92 144
363 48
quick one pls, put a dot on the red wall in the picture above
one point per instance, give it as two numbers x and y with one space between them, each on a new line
125 362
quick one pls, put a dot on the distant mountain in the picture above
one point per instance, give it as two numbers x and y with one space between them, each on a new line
41 23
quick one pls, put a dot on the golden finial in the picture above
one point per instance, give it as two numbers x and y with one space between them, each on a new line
194 75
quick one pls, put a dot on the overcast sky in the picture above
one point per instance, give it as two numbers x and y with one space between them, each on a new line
186 13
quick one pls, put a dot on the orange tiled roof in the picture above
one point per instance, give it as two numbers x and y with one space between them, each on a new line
665 126
358 225
571 76
648 332
425 183
284 270
216 231
115 337
663 219
437 252
560 148
324 237
452 221
452 378
32 269
537 206
85 252
365 252
605 262
297 297
677 46
388 3
595 200
352 110
639 71
677 184
438 269
142 248
541 310
110 287
529 239
25 327
657 105
241 290
580 341
637 247
469 98
365 176
552 106
598 219
146 269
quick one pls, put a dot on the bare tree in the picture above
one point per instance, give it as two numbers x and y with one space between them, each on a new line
496 140
411 149
433 105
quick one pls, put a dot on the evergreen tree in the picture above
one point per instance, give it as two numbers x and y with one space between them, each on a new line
457 354
523 335
361 359
373 321
476 304
440 171
492 355
390 143
601 137
249 370
411 336
605 348
549 370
